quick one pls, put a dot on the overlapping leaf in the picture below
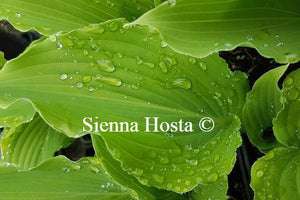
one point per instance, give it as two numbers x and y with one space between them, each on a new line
17 113
287 123
29 144
51 16
262 106
201 27
276 175
100 72
59 178
136 189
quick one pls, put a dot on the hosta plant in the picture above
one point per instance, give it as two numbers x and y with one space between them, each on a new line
111 68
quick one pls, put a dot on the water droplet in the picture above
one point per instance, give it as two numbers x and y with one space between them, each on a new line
68 42
163 67
63 76
138 172
163 44
177 189
172 61
187 182
218 94
144 181
183 83
76 167
150 65
85 52
52 38
292 94
59 45
192 162
66 170
120 55
259 173
249 38
227 45
95 28
91 89
158 178
18 15
172 2
109 80
283 100
79 85
138 60
213 177
164 160
106 65
113 26
202 66
288 81
94 169
280 44
291 57
192 60
86 79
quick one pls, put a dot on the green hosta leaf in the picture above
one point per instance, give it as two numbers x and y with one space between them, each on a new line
2 60
276 175
136 189
262 106
100 71
215 190
30 144
201 27
16 114
59 178
51 16
287 123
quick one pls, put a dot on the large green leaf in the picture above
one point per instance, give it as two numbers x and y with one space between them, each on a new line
95 73
59 178
201 27
262 106
17 113
276 175
51 16
136 189
287 123
30 144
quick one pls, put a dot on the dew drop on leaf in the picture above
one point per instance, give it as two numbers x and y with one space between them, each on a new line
213 177
163 44
79 85
94 169
86 79
138 60
163 67
158 178
292 94
106 65
172 2
52 38
63 76
192 60
18 15
59 45
202 66
183 83
259 173
109 80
